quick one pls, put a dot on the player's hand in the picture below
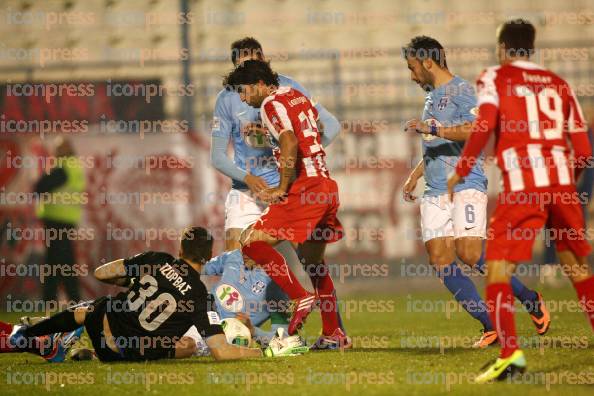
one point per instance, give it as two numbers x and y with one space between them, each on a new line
417 126
409 188
281 345
255 183
452 182
273 195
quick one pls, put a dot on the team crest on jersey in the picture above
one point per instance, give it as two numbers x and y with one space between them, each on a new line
258 287
443 103
230 298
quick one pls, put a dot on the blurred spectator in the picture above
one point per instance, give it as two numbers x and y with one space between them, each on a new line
61 213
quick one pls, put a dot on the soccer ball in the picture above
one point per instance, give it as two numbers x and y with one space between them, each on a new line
236 332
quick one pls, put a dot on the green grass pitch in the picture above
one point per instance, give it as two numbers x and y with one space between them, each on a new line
401 348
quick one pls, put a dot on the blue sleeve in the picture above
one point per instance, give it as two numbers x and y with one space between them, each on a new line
331 125
465 102
215 266
222 119
221 162
222 125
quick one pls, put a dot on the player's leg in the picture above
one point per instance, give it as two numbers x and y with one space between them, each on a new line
51 338
68 320
501 300
573 249
512 232
470 224
241 210
468 248
578 270
259 246
438 235
312 257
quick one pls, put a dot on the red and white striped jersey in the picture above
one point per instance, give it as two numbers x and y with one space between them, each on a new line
287 109
535 115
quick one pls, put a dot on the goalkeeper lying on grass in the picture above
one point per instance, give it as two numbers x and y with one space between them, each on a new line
150 320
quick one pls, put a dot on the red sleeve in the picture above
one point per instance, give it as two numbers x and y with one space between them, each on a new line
578 135
486 123
275 117
582 151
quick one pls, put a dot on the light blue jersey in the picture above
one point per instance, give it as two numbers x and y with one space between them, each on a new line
450 104
229 115
241 290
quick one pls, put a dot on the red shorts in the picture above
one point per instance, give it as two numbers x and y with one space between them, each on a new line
307 214
519 217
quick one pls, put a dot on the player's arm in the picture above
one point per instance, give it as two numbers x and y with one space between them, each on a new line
288 158
222 350
457 133
276 120
113 273
411 182
579 136
222 125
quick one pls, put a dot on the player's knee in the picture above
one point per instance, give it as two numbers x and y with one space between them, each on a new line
469 256
439 259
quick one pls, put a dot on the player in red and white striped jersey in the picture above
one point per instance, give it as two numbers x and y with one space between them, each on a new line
303 207
536 119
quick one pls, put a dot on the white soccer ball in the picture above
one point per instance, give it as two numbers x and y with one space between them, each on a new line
236 332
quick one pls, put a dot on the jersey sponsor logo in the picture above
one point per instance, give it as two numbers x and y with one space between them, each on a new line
443 103
213 318
230 298
258 287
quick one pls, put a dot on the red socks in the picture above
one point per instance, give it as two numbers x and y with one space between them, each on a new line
585 292
500 300
276 267
324 288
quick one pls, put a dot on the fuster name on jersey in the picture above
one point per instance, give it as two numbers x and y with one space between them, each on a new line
254 155
451 104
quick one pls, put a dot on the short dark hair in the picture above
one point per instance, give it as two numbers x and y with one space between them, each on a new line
250 72
425 47
196 244
245 46
518 36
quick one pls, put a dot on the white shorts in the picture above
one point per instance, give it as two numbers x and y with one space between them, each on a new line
465 217
242 209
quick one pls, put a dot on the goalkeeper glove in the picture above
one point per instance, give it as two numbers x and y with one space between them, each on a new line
280 345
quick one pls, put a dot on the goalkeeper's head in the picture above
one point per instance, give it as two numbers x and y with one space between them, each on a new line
254 80
196 246
425 57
